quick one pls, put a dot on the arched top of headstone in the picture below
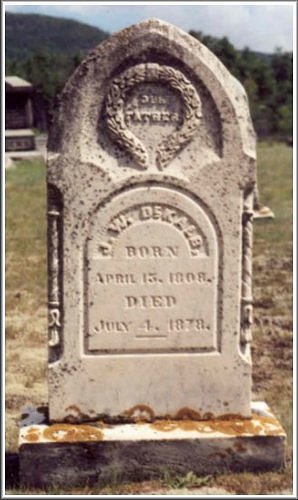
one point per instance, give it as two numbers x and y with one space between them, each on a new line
151 51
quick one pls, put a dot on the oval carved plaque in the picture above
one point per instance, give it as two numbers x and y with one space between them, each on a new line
115 115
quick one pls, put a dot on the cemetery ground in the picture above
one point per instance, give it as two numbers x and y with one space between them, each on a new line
26 323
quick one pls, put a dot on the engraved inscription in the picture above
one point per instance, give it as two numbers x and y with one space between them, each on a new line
152 99
118 118
189 228
188 277
151 116
186 325
149 301
153 104
118 278
152 251
112 326
149 284
183 278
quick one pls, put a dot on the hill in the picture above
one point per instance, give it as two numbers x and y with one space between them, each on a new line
45 50
27 34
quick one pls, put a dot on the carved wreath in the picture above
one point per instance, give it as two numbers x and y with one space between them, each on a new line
114 112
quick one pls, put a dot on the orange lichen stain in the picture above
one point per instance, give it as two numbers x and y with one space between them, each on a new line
71 432
233 425
75 414
32 437
185 425
139 413
187 414
101 424
207 416
231 416
165 425
269 425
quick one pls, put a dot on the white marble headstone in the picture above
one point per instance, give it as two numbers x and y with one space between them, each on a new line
150 177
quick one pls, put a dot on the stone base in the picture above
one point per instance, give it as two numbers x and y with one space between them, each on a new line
75 454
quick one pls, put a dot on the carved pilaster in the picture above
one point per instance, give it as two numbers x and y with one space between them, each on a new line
54 274
246 301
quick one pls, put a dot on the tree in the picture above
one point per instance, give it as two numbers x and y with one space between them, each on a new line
268 81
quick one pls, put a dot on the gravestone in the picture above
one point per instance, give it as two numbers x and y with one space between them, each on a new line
151 171
151 174
18 115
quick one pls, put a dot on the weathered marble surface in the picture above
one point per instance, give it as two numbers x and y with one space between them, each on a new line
150 177
69 454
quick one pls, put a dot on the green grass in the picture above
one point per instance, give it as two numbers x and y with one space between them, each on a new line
275 174
25 220
26 350
272 283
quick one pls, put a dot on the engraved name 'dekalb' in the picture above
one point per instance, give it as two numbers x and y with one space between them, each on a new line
157 213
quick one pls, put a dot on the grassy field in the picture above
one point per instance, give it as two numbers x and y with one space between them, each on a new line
26 317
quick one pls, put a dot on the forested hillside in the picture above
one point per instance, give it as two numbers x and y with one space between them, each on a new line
27 34
45 50
268 81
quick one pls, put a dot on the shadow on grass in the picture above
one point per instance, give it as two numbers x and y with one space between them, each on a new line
12 479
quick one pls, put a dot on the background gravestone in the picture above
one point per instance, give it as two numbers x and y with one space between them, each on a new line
150 176
18 115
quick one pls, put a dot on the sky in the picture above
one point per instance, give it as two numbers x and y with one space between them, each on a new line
260 26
